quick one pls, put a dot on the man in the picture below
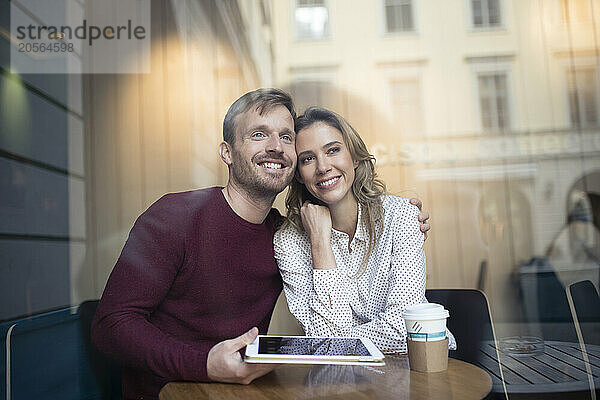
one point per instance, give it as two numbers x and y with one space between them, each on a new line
198 266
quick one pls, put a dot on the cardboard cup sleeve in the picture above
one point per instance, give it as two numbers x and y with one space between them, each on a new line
428 356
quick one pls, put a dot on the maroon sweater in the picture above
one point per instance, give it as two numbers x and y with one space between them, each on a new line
191 274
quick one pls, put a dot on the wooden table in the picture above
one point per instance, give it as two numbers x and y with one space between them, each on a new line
393 381
561 369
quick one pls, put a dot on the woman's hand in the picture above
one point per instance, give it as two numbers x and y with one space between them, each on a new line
317 222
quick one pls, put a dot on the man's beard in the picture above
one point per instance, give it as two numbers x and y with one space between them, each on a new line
246 175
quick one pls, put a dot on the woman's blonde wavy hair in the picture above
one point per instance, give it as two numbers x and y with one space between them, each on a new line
366 188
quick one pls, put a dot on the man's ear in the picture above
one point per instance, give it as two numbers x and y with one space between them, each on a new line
225 152
356 162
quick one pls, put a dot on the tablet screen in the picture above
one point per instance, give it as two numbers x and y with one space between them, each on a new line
312 346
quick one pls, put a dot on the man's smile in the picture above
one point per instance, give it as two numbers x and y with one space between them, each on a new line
271 165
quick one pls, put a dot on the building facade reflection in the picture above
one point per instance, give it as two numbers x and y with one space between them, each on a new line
489 111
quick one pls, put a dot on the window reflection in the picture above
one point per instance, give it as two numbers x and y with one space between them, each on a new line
575 251
486 13
490 115
583 97
312 19
406 104
493 98
399 16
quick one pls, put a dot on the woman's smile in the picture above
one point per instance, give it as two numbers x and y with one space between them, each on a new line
329 183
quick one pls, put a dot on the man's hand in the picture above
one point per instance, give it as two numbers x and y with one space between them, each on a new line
423 216
225 364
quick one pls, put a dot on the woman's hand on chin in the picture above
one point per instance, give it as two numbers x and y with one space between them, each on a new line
317 222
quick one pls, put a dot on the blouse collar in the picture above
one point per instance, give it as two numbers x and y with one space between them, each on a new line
360 232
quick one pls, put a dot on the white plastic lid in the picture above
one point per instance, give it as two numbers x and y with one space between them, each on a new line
425 311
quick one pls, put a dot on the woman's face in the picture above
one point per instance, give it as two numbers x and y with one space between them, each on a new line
325 165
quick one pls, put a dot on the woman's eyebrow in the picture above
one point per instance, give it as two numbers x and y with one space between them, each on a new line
323 147
331 144
305 152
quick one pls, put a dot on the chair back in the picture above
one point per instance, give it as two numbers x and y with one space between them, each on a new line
586 307
106 372
469 320
47 356
43 357
282 321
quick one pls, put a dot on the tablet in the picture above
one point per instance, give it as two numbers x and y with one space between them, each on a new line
313 350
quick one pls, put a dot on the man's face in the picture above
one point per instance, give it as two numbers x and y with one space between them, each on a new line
263 155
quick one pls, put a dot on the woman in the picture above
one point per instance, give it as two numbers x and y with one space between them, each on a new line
350 256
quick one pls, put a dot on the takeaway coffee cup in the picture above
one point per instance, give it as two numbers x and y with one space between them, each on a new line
426 322
427 342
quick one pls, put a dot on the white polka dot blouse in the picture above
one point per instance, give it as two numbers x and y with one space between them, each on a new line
335 302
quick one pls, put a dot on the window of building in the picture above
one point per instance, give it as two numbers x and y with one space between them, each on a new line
312 19
493 101
312 92
399 16
582 86
406 106
265 12
486 13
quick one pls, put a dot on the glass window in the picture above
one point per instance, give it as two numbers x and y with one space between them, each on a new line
311 92
498 134
486 13
405 98
583 97
399 16
312 19
493 102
